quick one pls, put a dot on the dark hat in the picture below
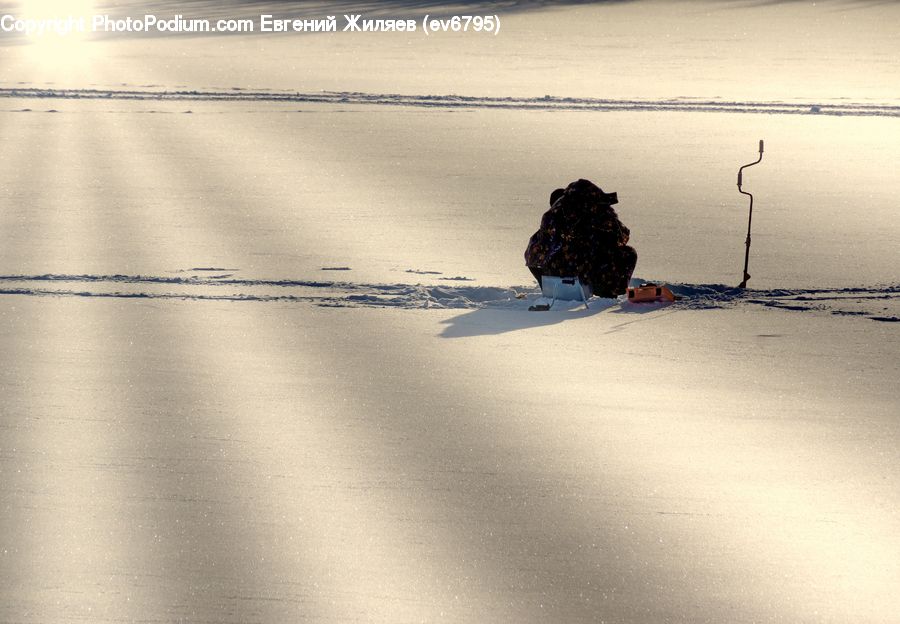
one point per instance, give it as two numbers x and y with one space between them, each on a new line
586 187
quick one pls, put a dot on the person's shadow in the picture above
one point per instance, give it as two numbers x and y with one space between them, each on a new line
493 321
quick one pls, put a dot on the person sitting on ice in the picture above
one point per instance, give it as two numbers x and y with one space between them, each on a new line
581 236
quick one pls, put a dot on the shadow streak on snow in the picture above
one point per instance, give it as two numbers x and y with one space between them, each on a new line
191 454
545 103
176 442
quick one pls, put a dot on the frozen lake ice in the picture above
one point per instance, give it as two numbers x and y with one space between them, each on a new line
264 359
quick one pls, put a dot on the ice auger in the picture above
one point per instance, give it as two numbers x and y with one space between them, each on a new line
743 284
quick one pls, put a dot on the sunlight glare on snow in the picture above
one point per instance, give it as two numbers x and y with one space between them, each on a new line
68 48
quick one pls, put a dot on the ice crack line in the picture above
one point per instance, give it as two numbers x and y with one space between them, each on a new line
223 288
879 303
545 103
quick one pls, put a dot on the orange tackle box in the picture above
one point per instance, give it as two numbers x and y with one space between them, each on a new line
646 293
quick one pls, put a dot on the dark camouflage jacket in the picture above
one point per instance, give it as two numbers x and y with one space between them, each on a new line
581 235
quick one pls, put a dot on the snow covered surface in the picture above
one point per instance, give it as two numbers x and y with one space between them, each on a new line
267 354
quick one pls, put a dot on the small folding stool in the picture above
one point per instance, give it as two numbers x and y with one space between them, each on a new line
555 288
